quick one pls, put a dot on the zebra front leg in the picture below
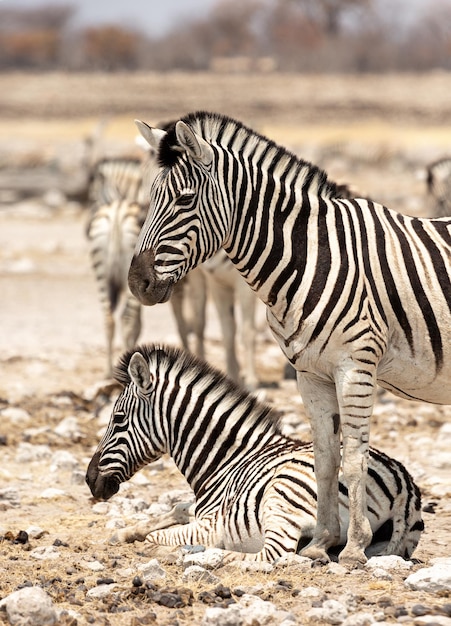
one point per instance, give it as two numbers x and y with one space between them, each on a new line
248 302
199 532
181 513
223 298
320 403
131 321
109 332
355 392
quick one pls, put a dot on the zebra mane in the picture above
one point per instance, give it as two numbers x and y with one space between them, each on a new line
168 357
214 126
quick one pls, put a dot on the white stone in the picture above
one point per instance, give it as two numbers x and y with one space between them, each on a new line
95 566
69 428
194 573
249 611
101 591
151 570
27 452
436 620
293 560
51 493
45 553
337 569
15 415
35 532
381 574
30 606
63 460
253 566
431 579
388 562
100 508
210 558
311 592
331 612
359 619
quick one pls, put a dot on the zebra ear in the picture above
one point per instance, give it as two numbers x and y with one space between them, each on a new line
153 136
195 145
139 371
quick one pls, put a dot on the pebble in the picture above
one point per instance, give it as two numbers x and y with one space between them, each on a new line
52 493
209 559
432 579
433 620
29 606
95 566
330 612
388 562
100 591
63 460
9 497
35 532
15 415
69 428
151 570
45 553
248 611
28 453
195 573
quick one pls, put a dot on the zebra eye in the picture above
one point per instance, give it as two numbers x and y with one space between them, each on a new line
118 417
185 199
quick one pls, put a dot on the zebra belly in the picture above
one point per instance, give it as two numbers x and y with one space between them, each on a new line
415 378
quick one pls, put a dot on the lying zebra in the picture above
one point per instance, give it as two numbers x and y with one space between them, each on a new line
255 488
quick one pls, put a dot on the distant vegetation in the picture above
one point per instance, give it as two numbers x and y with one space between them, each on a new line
237 36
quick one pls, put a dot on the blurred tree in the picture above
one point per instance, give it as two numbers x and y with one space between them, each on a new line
110 48
32 38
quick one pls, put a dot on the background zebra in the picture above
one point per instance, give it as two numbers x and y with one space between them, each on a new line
118 209
438 181
356 294
255 488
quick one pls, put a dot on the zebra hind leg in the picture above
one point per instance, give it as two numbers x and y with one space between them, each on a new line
131 321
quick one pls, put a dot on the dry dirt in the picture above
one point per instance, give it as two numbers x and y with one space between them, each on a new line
52 345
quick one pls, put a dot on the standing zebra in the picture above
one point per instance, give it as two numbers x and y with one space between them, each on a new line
356 294
112 232
118 193
255 488
438 181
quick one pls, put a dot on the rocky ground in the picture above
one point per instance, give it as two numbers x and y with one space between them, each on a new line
54 404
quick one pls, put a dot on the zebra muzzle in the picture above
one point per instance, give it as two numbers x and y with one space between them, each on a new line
102 486
144 282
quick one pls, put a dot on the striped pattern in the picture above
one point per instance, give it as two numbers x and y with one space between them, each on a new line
356 294
255 488
119 200
112 232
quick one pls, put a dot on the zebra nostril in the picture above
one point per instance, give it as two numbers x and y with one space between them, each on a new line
145 284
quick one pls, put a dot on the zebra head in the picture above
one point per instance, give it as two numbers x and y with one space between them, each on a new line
185 224
128 444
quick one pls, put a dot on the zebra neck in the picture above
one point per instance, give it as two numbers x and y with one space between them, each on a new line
206 446
288 205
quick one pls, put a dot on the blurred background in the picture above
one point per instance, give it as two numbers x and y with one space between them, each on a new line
359 87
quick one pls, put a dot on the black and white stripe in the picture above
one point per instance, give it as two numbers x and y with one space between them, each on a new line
255 488
356 294
119 193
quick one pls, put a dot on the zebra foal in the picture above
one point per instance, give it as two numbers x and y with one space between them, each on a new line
356 294
254 488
